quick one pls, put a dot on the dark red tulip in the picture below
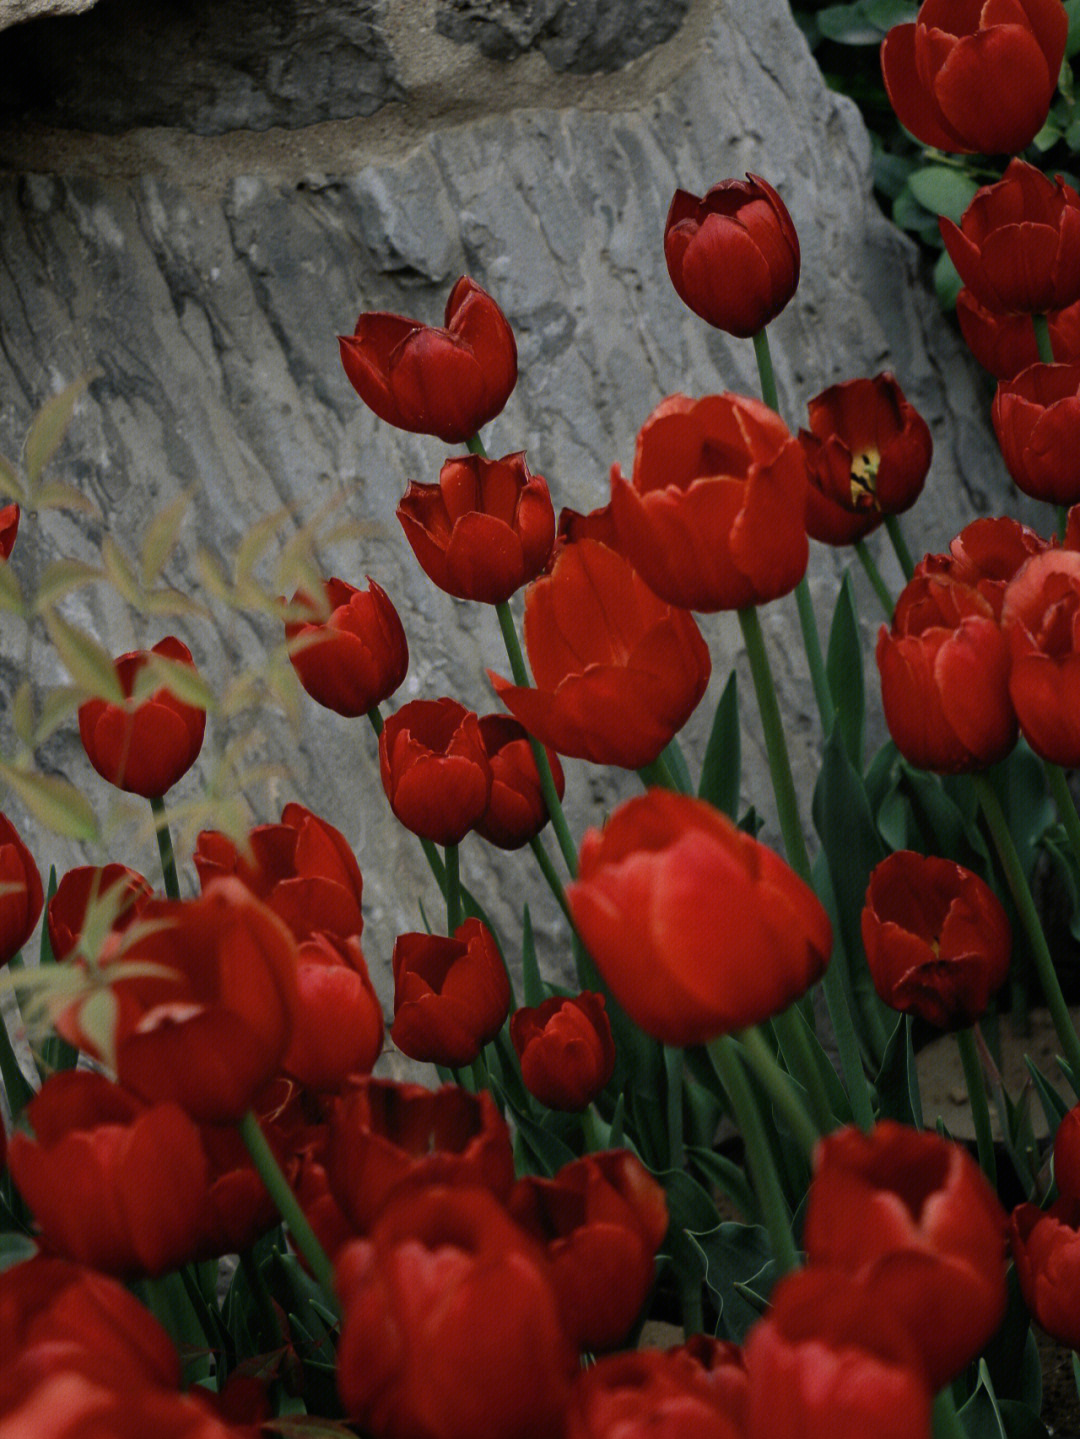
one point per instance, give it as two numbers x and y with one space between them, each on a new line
656 1394
617 671
21 894
975 77
566 1050
516 810
1005 344
1046 1250
115 895
435 770
713 515
1067 1155
143 748
733 255
445 382
1041 618
867 456
338 1023
658 883
356 656
9 528
386 1137
937 939
1037 422
986 555
451 994
1016 246
910 1216
484 530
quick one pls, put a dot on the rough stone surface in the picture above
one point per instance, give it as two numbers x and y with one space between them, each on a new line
202 279
576 35
14 12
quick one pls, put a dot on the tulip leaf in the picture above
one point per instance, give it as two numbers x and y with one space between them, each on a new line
1054 1106
866 22
535 992
1010 1353
49 427
897 1081
722 765
675 760
737 1257
15 1248
58 495
910 215
550 1153
1020 782
844 671
726 1175
56 1053
943 190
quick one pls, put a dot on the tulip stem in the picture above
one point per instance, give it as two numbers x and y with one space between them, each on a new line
1066 805
946 1421
873 574
1042 339
780 1089
899 544
766 374
17 1087
165 848
728 1065
288 1206
659 775
475 446
547 781
453 888
548 870
1029 916
980 1110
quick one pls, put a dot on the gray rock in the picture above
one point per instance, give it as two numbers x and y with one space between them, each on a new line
577 35
202 279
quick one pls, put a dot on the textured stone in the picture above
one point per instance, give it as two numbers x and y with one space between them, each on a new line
15 12
576 35
202 280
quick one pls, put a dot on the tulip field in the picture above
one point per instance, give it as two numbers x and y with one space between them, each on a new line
696 1193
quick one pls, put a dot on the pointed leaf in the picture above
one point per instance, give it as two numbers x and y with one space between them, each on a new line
49 427
120 574
90 666
535 992
22 713
11 485
53 802
844 671
161 538
11 595
58 495
178 678
721 769
60 578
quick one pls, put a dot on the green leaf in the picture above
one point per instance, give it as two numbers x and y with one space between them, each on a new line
897 1082
15 1248
58 495
737 1256
910 215
943 190
60 578
726 1175
535 993
11 595
89 665
180 679
721 769
49 427
161 538
1054 1106
11 485
844 671
53 802
866 22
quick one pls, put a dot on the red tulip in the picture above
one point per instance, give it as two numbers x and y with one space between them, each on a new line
516 810
451 1328
356 656
937 939
867 456
1046 1251
338 1024
21 894
434 769
1067 1155
652 1394
618 672
143 748
975 77
602 1220
985 555
1005 344
9 528
1037 422
303 869
733 255
444 382
484 530
211 1029
566 1050
829 1361
910 1217
386 1138
664 878
944 669
114 895
713 515
1016 246
1041 618
451 994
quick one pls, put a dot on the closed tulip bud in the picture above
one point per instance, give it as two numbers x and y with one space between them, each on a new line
1036 419
1067 1155
338 1024
1041 619
975 77
566 1050
435 770
356 656
516 810
444 382
451 994
114 894
733 255
484 530
1046 1250
1005 344
653 1394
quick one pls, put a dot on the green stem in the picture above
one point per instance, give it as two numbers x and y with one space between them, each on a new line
1066 805
269 1171
17 1087
775 744
1042 339
947 1423
759 1157
165 849
673 1073
899 544
374 715
453 888
1029 916
814 657
980 1110
873 574
765 370
548 870
475 446
780 1089
547 782
658 775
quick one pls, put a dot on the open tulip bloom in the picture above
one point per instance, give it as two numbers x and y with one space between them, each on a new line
450 1183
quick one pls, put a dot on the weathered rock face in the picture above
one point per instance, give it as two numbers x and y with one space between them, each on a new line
201 273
